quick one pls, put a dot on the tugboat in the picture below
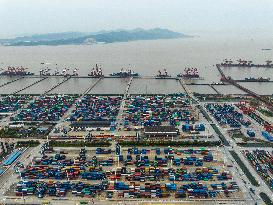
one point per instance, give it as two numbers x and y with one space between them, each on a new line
16 71
260 79
163 74
124 74
189 73
96 72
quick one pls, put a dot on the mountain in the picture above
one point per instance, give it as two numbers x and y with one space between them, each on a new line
78 38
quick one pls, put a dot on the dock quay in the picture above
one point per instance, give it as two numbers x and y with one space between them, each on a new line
234 82
140 85
214 89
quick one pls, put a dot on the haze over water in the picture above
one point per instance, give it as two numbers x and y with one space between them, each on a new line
147 57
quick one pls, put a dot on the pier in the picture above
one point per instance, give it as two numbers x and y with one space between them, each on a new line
92 86
121 109
215 89
234 82
113 85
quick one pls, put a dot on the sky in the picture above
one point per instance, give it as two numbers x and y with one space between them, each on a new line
193 17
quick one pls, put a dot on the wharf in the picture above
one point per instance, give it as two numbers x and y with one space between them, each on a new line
234 82
34 85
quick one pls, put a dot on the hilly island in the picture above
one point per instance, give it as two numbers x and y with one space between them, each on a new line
80 38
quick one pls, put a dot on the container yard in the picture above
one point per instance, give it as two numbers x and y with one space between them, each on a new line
262 162
107 117
227 115
26 130
158 110
46 108
96 108
10 104
153 173
136 102
171 149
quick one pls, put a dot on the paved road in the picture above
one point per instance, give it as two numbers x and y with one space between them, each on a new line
241 178
122 105
263 187
7 120
9 177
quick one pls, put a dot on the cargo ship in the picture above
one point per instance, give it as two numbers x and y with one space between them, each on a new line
189 73
246 63
260 79
124 73
96 72
16 71
163 74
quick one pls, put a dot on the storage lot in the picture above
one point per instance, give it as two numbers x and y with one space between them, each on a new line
46 108
146 173
227 115
96 108
262 162
157 110
10 104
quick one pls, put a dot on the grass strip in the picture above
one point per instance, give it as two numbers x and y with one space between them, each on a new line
244 168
